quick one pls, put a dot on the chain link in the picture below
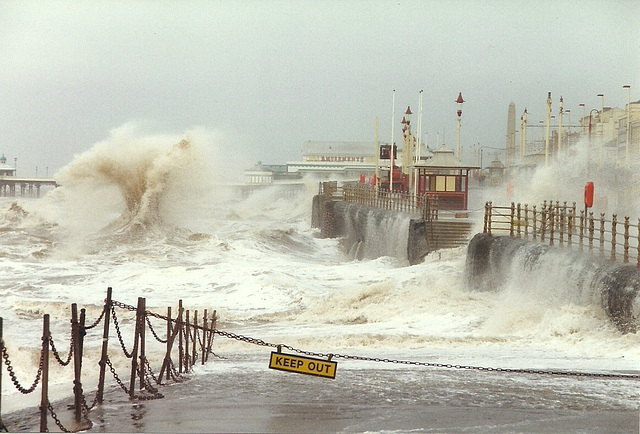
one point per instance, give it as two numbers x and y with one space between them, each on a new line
96 322
119 333
14 379
155 335
57 355
426 364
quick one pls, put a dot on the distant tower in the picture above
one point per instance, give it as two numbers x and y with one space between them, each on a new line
510 154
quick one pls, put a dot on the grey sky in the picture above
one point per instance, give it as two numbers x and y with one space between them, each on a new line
267 75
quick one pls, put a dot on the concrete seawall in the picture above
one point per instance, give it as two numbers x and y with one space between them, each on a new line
496 261
371 232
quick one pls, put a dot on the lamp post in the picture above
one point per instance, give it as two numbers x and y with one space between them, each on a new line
560 126
15 166
583 119
546 141
459 103
589 151
626 149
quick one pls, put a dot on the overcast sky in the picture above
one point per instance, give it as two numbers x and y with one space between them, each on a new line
266 76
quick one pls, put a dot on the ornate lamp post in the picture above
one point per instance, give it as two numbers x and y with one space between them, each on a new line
560 126
584 121
459 103
626 149
546 138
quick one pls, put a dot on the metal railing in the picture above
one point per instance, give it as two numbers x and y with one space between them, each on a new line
561 224
366 195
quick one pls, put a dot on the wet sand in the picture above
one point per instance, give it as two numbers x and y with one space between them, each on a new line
360 400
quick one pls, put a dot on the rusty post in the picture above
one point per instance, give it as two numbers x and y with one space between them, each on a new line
591 231
1 353
626 239
143 338
179 328
169 342
134 352
212 334
75 334
552 223
535 223
105 344
601 234
204 338
176 331
44 397
195 337
187 365
614 229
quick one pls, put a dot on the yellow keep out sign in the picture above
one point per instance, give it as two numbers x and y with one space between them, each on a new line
303 365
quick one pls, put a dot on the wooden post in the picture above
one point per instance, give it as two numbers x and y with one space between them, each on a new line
591 231
75 333
535 223
626 239
179 326
212 334
614 229
204 337
169 341
177 331
134 352
105 345
187 326
601 234
143 354
1 353
195 337
526 221
44 398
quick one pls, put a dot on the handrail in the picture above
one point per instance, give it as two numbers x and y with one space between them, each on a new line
556 223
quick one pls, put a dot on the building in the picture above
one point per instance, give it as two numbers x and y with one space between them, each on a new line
345 160
6 170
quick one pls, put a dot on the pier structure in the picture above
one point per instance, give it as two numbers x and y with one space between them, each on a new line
12 186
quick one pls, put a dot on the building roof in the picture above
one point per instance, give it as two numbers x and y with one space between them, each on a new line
346 149
443 157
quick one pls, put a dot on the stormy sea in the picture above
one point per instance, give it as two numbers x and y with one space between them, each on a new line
416 349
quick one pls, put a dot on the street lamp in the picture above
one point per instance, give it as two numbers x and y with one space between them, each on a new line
459 102
583 119
546 141
15 166
589 151
626 149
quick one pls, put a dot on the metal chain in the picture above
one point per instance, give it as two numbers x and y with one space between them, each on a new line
56 419
155 335
117 326
14 379
427 364
154 395
96 322
57 355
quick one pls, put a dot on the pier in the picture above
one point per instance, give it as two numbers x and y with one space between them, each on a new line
12 186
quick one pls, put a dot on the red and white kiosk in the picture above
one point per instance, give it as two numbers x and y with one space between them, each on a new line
443 176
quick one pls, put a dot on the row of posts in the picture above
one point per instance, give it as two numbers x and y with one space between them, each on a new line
365 194
560 222
187 331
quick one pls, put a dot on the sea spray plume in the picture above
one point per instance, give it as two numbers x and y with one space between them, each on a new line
564 178
139 168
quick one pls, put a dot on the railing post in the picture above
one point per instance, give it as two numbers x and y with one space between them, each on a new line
105 344
195 337
552 220
187 365
519 219
2 427
204 337
591 231
543 222
614 230
75 333
526 221
44 398
134 352
626 239
535 223
179 325
212 334
169 341
602 234
143 339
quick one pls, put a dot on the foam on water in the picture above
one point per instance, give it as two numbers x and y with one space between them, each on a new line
147 216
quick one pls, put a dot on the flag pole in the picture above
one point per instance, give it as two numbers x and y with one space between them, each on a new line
393 117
